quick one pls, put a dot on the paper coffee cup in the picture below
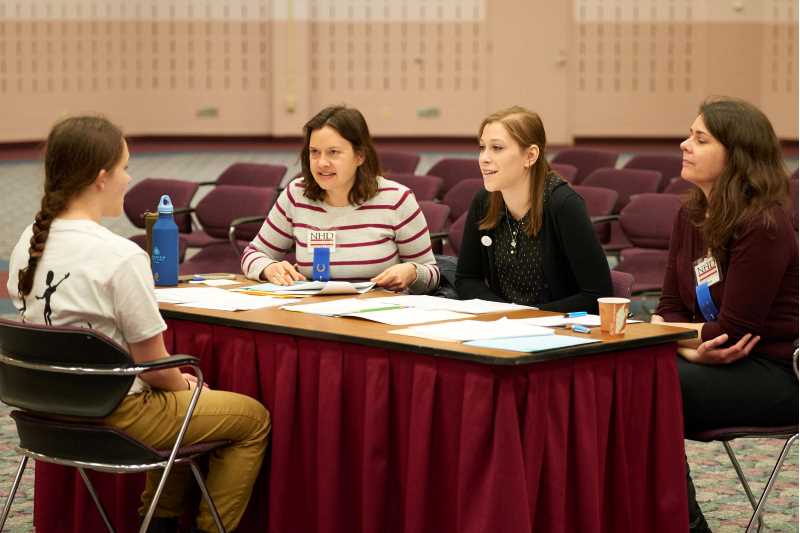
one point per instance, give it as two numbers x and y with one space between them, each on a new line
613 314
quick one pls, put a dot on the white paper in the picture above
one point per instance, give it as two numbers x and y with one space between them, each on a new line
313 287
532 344
474 306
465 330
340 307
560 321
216 282
406 315
188 294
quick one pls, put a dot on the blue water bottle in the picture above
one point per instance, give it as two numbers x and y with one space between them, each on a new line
164 253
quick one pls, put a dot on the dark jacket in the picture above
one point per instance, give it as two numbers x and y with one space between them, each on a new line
758 290
575 266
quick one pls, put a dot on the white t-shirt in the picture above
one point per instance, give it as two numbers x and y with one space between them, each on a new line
89 277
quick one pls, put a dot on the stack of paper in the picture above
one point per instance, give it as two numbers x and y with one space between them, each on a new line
213 298
467 330
474 306
556 321
309 288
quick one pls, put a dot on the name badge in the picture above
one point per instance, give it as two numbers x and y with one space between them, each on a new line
706 271
321 239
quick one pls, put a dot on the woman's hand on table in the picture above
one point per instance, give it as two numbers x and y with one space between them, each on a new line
396 277
710 353
282 273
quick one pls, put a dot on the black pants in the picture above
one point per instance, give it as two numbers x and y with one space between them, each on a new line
753 391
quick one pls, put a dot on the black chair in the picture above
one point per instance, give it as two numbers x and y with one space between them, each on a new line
63 381
725 435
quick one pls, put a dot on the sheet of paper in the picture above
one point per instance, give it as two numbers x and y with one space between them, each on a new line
531 344
560 321
187 294
313 287
405 316
340 307
465 330
474 306
216 282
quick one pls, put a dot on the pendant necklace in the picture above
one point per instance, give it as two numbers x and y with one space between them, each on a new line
513 232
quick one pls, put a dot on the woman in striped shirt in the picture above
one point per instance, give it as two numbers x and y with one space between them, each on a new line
374 227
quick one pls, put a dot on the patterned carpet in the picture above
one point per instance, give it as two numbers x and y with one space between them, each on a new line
723 500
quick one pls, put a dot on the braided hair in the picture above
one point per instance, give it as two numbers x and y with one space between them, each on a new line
77 149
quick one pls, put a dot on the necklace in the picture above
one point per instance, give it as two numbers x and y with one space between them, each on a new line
513 231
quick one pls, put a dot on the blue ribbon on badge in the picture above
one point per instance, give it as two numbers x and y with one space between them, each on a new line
321 269
706 303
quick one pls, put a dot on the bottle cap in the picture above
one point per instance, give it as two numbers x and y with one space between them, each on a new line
165 205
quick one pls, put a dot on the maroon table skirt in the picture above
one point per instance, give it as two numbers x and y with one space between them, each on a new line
374 440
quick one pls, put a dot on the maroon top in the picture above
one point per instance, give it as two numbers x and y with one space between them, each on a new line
758 292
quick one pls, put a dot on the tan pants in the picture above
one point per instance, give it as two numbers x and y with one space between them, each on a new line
155 417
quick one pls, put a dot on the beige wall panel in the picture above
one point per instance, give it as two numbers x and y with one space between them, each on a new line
415 67
529 61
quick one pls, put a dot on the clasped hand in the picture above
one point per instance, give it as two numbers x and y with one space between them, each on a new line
394 278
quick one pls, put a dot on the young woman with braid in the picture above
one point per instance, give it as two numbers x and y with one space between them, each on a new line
68 270
732 275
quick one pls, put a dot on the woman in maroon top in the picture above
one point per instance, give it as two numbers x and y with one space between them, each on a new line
732 275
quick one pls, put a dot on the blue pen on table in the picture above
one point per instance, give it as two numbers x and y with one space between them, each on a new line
575 314
577 328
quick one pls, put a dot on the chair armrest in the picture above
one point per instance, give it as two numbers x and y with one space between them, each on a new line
604 218
168 362
438 239
235 223
202 183
182 210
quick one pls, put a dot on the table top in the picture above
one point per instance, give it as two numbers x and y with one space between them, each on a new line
369 333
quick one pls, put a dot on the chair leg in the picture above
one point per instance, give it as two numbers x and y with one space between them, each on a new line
770 483
742 480
97 503
213 508
13 492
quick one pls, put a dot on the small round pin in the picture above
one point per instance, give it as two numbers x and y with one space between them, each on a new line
486 240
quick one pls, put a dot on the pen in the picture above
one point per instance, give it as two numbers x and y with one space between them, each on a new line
575 314
577 328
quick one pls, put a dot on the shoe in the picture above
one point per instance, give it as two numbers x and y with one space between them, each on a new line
699 525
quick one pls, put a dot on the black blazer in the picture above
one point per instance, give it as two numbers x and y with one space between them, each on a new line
575 266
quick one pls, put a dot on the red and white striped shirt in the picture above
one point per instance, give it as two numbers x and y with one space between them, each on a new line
386 230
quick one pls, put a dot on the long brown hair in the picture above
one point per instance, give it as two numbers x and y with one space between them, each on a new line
753 180
77 149
526 128
351 125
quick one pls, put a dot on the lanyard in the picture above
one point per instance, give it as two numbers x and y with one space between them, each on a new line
706 303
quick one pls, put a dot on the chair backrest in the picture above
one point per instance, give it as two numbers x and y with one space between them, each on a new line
423 187
566 171
453 170
622 283
144 196
397 162
668 164
599 200
436 215
460 196
648 219
678 186
253 175
625 181
456 234
586 160
225 203
47 391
